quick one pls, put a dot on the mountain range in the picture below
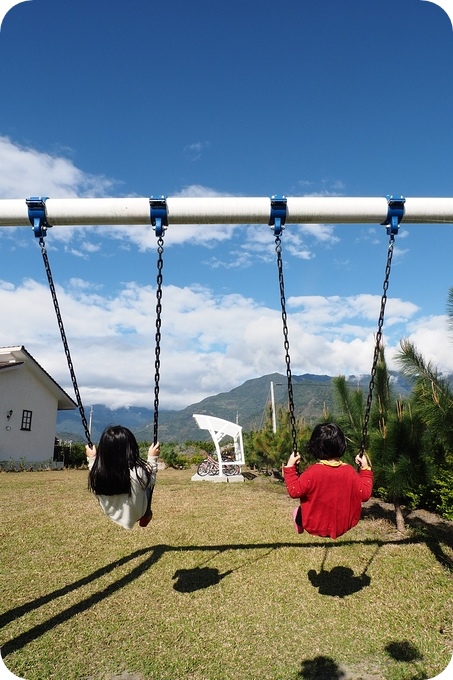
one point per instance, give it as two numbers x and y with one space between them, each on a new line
248 405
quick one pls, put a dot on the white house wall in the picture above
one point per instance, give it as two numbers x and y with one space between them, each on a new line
19 390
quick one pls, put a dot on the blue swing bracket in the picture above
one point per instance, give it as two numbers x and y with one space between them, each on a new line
395 213
37 215
158 214
278 214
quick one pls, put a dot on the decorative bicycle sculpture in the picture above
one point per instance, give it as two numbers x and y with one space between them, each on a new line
209 466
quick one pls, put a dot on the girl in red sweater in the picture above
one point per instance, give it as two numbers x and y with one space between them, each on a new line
331 492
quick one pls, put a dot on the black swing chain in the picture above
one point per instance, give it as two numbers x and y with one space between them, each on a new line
64 340
377 347
278 250
160 264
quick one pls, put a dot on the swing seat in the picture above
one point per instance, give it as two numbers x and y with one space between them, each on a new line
146 519
297 519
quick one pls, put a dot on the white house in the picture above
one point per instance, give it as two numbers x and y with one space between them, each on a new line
29 401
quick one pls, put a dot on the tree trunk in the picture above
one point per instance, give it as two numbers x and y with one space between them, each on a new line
400 523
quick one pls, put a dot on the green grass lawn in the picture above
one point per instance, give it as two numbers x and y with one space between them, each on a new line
217 587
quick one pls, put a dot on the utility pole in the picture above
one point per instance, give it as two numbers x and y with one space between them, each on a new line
274 419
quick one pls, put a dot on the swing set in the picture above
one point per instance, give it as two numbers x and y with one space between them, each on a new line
276 212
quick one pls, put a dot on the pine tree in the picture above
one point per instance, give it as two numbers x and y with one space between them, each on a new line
351 406
432 396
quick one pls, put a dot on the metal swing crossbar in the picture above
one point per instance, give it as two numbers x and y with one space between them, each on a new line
227 210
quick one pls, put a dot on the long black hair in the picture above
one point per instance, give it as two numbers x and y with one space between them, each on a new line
327 441
117 454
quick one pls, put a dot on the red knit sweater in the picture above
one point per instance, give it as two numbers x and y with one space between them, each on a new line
330 497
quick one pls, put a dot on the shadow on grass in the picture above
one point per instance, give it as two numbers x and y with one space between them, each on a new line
38 630
320 668
188 580
407 653
15 613
403 651
340 581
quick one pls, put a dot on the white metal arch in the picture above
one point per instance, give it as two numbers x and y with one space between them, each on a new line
219 429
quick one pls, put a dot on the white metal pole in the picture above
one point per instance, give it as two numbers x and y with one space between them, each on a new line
274 419
226 210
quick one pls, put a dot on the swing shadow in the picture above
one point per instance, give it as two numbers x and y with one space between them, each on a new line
40 629
197 578
189 580
186 581
340 581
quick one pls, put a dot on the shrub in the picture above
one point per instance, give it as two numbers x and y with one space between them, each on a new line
74 455
172 458
442 494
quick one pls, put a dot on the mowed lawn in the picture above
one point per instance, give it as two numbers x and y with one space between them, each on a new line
217 587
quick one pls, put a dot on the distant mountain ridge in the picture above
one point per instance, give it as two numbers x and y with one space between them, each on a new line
247 404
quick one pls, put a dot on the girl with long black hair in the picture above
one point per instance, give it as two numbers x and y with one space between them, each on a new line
121 480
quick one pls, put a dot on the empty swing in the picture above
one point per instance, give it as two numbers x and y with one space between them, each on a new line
330 491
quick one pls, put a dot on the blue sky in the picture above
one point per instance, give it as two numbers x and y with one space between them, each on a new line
237 98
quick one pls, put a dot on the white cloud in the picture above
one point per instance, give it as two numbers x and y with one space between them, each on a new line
210 344
258 245
27 172
324 187
194 151
316 310
432 337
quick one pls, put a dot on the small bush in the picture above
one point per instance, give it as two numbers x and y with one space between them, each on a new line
172 458
442 495
74 455
197 458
